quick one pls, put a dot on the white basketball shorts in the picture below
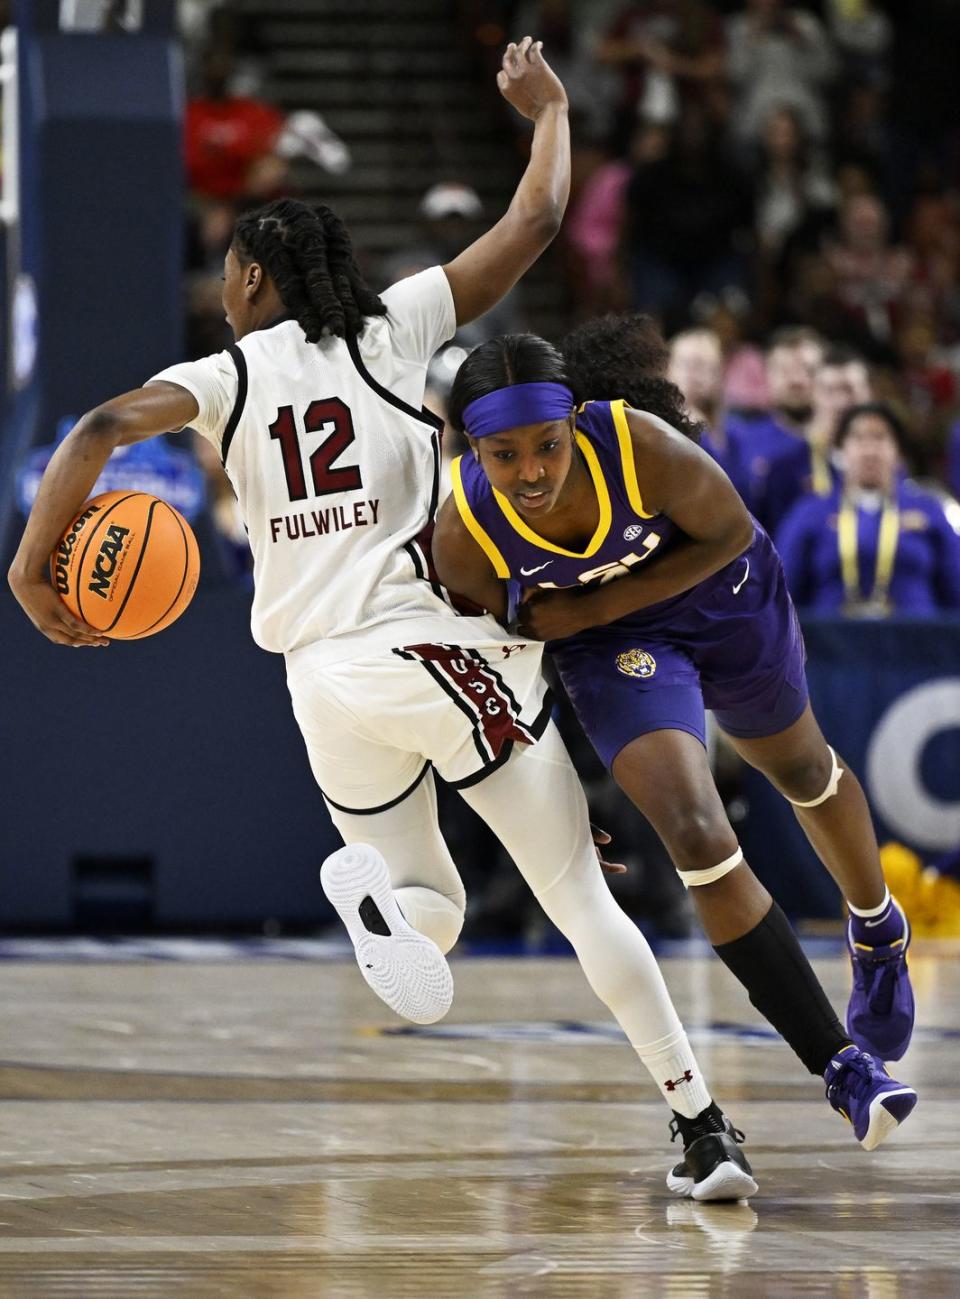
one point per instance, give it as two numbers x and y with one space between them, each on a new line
374 725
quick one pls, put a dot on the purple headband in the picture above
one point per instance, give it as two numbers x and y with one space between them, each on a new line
523 403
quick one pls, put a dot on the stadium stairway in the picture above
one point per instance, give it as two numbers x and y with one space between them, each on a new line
399 86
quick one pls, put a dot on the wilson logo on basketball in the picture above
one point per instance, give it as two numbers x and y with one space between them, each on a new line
64 551
106 562
133 571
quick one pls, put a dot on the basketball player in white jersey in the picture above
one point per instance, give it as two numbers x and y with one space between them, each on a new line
316 412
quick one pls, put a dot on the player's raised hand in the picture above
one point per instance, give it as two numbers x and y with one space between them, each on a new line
50 615
527 81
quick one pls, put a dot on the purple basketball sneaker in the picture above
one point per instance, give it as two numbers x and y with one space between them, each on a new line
859 1088
881 1010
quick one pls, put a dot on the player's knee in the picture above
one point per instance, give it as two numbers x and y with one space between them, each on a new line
806 777
698 838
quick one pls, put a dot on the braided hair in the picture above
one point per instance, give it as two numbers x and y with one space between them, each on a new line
624 355
308 255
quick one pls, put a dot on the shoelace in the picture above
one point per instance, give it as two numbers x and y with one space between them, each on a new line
731 1131
864 1070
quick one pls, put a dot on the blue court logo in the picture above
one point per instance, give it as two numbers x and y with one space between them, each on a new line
636 663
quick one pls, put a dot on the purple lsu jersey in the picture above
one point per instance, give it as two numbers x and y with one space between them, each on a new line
732 642
626 535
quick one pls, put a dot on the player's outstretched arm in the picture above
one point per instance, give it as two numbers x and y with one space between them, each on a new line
490 267
68 481
462 566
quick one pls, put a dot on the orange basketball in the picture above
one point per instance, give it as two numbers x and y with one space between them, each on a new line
128 565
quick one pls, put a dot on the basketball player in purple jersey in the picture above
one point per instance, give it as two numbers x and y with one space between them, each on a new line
659 594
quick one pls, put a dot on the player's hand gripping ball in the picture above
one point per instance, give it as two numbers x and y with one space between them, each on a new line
128 565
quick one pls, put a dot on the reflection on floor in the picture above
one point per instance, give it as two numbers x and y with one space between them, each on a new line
259 1128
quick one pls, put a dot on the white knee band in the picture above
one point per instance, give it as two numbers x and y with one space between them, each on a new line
690 879
836 771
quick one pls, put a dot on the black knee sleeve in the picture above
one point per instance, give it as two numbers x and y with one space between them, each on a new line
781 984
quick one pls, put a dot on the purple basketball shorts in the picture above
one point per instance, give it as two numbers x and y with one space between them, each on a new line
732 644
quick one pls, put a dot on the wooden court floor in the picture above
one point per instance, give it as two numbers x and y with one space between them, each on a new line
257 1129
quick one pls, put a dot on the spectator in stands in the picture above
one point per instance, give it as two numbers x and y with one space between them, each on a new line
696 366
794 197
594 228
231 139
778 55
933 237
841 380
871 275
862 36
879 544
793 188
593 231
928 389
757 439
687 221
861 133
571 31
449 212
667 51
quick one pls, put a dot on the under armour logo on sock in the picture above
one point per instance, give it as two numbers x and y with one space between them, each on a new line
673 1083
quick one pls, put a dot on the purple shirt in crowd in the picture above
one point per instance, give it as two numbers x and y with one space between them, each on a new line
926 569
756 442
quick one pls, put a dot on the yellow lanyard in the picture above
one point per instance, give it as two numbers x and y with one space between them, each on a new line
820 479
847 540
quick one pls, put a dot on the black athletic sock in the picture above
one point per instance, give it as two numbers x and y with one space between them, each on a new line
781 984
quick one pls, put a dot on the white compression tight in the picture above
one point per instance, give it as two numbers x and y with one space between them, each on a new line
535 806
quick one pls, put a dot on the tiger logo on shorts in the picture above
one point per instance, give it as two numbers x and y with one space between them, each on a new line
636 663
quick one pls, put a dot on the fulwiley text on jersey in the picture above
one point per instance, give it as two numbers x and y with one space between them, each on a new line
318 523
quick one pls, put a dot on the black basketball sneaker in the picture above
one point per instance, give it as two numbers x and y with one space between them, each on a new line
713 1165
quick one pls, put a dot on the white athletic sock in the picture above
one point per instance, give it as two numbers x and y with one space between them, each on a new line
673 1067
869 913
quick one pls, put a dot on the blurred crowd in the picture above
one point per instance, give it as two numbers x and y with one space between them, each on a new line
778 186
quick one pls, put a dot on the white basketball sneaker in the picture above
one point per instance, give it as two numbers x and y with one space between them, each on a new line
404 968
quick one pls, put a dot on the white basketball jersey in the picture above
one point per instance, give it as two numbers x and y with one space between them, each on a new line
337 477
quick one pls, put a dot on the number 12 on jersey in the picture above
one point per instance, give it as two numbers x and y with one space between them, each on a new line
326 476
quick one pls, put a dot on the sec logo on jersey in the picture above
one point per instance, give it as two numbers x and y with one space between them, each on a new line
636 663
632 531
